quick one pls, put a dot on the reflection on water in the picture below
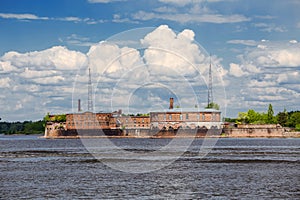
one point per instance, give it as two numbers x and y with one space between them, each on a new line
35 168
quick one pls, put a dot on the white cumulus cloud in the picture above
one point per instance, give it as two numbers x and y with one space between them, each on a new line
170 50
167 61
7 67
57 57
236 70
5 82
267 73
111 59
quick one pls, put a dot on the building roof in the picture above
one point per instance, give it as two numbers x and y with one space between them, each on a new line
184 110
88 112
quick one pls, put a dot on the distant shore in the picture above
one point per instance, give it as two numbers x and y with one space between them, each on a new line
22 134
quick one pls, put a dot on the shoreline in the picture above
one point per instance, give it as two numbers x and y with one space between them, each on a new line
162 137
285 135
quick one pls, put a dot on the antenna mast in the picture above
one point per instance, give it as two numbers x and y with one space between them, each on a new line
90 93
210 93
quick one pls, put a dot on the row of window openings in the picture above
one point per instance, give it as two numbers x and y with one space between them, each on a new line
181 117
143 121
104 117
89 124
187 117
91 117
103 122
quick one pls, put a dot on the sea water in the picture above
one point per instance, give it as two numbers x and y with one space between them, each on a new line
37 168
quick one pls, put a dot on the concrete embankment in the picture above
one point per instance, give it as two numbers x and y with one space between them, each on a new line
292 134
133 133
252 130
244 131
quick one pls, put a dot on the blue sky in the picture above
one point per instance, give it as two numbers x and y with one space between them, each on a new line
46 47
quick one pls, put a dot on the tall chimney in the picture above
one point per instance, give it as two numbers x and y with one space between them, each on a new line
171 103
79 106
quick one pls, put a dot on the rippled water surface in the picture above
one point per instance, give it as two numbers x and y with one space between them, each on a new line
36 168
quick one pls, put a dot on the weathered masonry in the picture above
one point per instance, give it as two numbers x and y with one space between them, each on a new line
187 118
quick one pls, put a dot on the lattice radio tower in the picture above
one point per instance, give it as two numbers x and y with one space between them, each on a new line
90 93
210 92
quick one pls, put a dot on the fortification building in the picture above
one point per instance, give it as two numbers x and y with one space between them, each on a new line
186 118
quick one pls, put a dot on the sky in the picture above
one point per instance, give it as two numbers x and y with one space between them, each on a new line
142 52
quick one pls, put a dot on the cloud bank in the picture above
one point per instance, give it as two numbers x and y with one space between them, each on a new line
268 73
168 63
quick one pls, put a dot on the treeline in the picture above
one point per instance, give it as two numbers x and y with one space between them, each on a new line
26 127
29 127
286 119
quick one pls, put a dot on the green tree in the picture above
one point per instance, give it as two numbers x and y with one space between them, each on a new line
213 106
34 127
282 118
294 119
47 117
253 117
4 127
270 115
228 119
242 118
297 127
60 118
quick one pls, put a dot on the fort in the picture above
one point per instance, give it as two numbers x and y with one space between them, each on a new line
166 123
172 122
